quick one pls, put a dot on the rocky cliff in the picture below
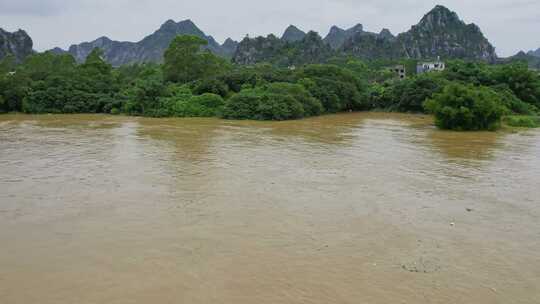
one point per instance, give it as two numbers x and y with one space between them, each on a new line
259 49
442 33
150 49
229 47
386 34
293 34
337 36
115 52
18 44
310 49
373 46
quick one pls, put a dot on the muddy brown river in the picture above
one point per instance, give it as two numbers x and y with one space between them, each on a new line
351 208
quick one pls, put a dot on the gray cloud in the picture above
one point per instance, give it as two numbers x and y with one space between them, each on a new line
31 7
509 27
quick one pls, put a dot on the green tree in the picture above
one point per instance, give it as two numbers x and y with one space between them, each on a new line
13 89
409 95
95 74
310 105
57 85
185 60
523 82
279 107
243 105
337 88
512 103
143 98
8 64
465 107
42 65
259 104
211 85
95 62
274 101
469 72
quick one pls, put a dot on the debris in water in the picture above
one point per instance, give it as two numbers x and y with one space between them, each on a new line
422 266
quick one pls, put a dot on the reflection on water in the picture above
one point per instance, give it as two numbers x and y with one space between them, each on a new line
467 145
351 208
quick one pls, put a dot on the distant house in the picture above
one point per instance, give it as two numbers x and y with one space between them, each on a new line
425 67
399 70
11 73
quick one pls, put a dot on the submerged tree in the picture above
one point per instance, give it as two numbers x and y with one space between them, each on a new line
465 108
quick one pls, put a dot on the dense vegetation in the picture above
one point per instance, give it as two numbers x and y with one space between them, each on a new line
193 82
465 107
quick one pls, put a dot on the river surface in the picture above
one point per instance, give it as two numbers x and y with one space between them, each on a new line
350 208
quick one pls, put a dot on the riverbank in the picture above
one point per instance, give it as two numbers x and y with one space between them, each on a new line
465 96
508 123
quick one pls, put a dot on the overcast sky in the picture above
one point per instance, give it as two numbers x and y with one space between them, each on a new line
509 25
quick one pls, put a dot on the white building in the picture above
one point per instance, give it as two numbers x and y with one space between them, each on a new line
425 67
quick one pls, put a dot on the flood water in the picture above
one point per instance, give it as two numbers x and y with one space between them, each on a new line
350 208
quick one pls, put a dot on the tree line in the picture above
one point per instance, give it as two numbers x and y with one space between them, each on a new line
193 82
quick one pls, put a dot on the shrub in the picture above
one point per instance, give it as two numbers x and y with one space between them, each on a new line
243 105
253 76
144 96
211 101
241 78
81 102
311 106
206 105
275 101
214 86
58 95
513 104
522 121
172 100
523 82
460 107
279 107
477 73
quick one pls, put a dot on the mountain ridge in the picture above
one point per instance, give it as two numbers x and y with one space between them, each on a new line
149 49
534 53
337 36
440 33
